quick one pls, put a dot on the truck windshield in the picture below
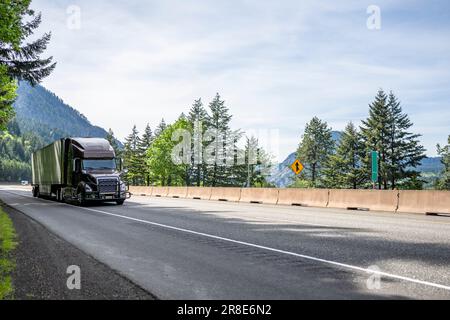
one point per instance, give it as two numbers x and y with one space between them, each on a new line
99 164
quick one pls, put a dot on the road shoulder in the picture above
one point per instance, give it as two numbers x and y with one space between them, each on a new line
42 260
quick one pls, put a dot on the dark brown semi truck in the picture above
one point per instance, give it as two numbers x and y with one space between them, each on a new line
78 170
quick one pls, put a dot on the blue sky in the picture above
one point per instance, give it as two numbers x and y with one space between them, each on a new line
276 63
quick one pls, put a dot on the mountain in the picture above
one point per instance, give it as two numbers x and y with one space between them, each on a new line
282 175
42 113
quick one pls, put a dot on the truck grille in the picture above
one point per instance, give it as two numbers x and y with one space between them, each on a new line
108 185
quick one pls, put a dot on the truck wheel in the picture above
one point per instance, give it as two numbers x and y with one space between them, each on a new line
34 191
59 195
81 200
120 202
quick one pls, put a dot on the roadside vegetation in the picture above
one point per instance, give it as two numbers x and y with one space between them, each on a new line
342 162
7 245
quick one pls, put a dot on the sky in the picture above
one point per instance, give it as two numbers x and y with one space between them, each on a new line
277 64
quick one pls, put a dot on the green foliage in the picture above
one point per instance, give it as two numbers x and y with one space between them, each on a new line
7 95
15 155
444 182
344 168
132 158
18 54
386 131
257 164
7 244
314 150
163 170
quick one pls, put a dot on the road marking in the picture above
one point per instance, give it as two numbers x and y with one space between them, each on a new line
298 255
343 265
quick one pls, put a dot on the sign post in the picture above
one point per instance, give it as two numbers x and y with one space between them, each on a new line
374 168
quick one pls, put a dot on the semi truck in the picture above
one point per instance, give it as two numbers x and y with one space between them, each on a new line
79 170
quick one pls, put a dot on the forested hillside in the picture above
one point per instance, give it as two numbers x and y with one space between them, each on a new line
41 118
41 112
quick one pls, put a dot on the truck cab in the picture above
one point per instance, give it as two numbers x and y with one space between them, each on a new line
79 170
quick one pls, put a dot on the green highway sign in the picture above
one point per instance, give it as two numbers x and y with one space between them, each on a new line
374 166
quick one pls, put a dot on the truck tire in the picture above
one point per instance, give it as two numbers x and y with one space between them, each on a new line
81 199
34 191
120 202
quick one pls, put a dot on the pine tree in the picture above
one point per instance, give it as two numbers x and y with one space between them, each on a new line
405 152
144 144
160 128
197 118
257 165
386 131
344 168
21 57
113 142
444 152
132 159
315 148
218 123
376 132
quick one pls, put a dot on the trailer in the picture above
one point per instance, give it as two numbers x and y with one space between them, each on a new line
78 170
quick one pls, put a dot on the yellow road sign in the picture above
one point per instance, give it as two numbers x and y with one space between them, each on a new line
297 167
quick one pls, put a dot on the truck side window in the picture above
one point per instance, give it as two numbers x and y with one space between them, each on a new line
77 165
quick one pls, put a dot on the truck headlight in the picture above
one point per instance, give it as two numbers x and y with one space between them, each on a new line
123 187
87 188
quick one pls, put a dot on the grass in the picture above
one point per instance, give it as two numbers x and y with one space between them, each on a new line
7 245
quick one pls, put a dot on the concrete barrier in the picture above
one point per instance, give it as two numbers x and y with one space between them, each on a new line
141 191
177 192
259 195
425 202
226 194
201 193
160 191
304 197
377 200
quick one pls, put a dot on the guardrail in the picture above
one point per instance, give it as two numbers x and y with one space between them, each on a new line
421 202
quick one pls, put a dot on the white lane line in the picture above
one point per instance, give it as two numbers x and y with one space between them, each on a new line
344 265
330 262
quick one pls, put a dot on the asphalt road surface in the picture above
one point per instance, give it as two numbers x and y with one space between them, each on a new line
196 249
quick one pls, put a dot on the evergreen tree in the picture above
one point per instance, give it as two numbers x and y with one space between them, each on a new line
160 128
145 143
218 123
132 159
22 58
386 131
376 132
197 118
314 150
257 165
113 142
444 152
344 168
405 152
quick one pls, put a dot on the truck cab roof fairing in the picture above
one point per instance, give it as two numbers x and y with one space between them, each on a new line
91 148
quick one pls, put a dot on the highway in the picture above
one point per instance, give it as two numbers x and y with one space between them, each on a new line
197 249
